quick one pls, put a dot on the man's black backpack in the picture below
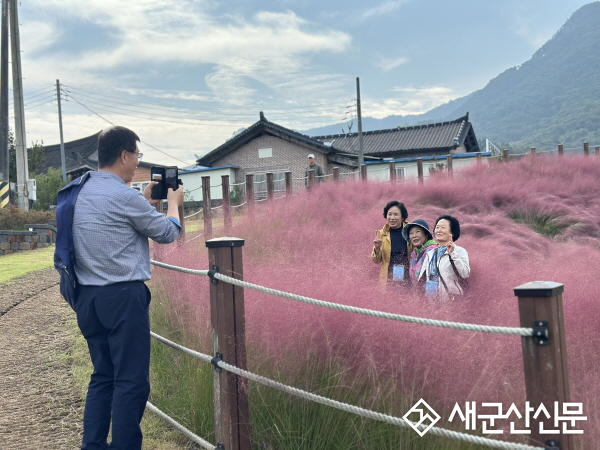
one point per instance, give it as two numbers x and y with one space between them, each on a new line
64 252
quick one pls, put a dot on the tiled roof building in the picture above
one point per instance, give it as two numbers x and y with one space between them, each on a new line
456 136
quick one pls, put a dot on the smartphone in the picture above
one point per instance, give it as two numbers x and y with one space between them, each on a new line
166 177
171 174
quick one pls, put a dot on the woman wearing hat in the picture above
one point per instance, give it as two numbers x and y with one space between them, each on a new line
390 249
446 268
418 234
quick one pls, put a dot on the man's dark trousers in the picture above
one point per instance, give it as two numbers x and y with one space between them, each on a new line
115 322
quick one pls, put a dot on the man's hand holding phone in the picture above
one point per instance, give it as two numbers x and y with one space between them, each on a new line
148 193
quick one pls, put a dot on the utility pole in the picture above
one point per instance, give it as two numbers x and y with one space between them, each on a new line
20 135
361 154
62 142
4 191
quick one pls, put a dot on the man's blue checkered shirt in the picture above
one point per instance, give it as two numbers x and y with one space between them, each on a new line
111 226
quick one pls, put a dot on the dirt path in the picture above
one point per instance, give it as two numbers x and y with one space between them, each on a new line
39 407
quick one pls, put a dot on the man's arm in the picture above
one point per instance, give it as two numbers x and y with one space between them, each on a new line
174 201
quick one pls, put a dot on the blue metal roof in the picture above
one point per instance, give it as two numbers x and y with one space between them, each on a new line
205 169
429 158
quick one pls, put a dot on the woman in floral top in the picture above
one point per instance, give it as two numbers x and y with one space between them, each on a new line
418 234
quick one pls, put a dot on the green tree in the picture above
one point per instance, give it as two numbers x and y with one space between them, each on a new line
35 157
48 186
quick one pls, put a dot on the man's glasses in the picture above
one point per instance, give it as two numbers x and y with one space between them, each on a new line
139 155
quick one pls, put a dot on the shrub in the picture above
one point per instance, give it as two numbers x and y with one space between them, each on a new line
12 218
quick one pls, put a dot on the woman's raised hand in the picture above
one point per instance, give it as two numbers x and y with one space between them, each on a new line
450 247
377 240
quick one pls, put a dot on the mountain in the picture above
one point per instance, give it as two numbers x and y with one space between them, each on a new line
554 98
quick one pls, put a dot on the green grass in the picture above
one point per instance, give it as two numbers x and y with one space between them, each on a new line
542 223
183 387
21 263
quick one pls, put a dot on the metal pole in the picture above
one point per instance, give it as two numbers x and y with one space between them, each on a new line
20 135
62 142
361 155
4 106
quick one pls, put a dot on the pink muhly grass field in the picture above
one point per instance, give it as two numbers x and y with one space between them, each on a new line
319 244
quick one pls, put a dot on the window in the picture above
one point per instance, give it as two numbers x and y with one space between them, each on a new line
400 173
260 184
140 185
265 152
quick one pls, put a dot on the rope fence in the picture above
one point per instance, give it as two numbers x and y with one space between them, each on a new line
183 430
225 342
353 309
194 214
362 412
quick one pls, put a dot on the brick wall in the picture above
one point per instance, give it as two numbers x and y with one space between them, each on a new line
287 156
141 174
17 241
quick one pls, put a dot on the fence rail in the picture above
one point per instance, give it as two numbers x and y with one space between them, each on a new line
544 349
264 190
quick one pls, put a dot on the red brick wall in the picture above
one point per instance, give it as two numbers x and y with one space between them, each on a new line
141 174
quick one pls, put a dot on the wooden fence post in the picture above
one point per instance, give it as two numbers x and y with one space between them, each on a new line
586 149
311 178
288 184
478 158
393 172
270 186
597 151
181 237
250 194
363 172
449 164
505 155
533 151
227 222
229 340
336 174
206 208
420 169
561 150
545 366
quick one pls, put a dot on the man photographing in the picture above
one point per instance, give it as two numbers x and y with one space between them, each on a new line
111 226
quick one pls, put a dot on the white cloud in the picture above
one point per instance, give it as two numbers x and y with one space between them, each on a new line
268 48
388 64
408 100
383 8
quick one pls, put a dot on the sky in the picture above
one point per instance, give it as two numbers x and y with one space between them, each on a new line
186 75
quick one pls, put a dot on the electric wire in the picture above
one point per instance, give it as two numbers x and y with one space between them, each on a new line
151 146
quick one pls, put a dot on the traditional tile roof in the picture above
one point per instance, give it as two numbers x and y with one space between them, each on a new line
435 137
81 154
263 126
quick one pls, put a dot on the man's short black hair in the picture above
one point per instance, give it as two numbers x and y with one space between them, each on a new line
112 142
400 205
454 226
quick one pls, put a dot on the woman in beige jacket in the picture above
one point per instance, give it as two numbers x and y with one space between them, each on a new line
390 249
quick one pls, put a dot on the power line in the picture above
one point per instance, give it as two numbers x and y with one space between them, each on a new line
141 115
177 110
145 143
40 104
320 107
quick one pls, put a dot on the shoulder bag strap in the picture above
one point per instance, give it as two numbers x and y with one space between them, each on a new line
454 268
440 275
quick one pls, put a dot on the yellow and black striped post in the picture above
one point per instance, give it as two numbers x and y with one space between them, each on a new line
4 193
